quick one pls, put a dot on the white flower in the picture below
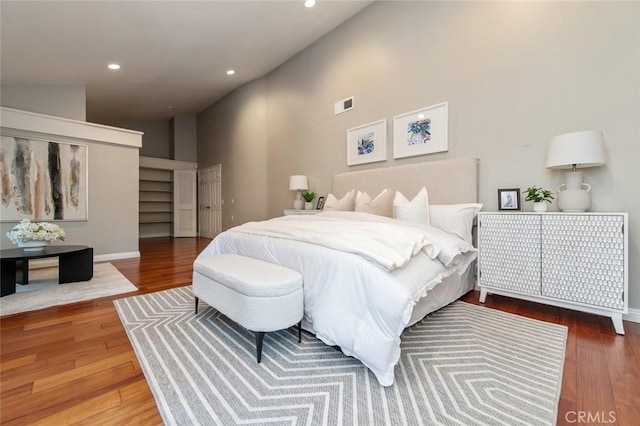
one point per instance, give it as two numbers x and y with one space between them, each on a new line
35 231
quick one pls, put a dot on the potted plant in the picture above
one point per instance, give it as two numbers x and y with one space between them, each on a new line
540 198
308 198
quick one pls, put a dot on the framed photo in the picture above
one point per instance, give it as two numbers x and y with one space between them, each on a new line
420 132
367 143
45 180
320 205
509 199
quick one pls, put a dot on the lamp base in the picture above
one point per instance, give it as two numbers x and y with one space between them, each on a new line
574 196
298 204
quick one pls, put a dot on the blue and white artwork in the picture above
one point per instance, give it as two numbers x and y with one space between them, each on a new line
42 180
420 132
367 143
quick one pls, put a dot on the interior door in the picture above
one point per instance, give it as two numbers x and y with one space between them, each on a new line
184 203
210 201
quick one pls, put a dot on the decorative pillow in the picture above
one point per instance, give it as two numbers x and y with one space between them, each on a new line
382 205
345 203
454 218
416 210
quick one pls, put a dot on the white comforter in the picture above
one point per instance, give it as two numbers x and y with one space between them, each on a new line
362 274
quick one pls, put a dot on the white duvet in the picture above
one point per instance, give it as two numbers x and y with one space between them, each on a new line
362 274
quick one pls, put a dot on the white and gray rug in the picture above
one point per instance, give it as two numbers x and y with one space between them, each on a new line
462 365
43 290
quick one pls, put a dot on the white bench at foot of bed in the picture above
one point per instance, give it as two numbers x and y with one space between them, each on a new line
258 295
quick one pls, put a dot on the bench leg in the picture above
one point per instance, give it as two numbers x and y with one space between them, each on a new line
259 338
196 305
300 332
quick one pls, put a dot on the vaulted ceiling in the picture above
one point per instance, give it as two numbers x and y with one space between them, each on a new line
174 55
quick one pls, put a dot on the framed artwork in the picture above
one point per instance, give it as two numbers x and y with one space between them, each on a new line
43 180
320 205
509 199
367 143
420 132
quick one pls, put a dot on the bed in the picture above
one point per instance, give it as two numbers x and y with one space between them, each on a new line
359 294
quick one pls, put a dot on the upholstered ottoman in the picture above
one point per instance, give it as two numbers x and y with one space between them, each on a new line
258 295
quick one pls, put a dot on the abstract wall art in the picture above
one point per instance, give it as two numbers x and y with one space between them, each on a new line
420 132
42 180
367 143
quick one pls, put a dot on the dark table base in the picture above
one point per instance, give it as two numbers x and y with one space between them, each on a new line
75 264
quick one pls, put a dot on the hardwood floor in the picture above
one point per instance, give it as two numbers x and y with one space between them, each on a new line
74 364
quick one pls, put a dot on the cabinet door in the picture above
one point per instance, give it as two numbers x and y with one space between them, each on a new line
509 252
583 259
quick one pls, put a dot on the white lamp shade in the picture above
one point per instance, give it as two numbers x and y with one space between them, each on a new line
298 183
584 149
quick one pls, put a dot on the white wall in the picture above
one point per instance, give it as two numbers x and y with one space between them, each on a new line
156 141
514 73
60 100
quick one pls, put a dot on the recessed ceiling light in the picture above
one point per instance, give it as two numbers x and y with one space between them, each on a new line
231 72
309 3
113 66
420 116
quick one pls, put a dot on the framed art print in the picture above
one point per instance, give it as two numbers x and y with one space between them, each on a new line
43 180
509 199
367 143
421 132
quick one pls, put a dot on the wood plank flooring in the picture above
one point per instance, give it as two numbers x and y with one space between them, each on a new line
74 365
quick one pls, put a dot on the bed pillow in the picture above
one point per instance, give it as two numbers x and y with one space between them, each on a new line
382 205
416 210
454 218
345 203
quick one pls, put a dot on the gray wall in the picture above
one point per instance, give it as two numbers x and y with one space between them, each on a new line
67 101
112 227
515 74
184 143
233 133
156 141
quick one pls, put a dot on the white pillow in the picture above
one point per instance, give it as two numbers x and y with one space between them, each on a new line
416 210
382 205
454 218
345 203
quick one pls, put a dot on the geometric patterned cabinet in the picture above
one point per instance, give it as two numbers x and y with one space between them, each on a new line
572 260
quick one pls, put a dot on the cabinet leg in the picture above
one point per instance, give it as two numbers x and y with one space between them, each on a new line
617 323
483 295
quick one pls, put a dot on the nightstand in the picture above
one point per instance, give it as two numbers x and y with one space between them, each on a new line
573 260
289 212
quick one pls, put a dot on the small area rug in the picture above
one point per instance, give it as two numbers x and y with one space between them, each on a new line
462 365
43 290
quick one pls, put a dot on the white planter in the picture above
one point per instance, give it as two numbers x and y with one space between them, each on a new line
32 245
540 207
308 205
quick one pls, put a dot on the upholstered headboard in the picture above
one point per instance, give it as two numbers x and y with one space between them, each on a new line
447 181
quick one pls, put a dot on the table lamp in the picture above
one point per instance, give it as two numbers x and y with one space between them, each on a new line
572 151
298 183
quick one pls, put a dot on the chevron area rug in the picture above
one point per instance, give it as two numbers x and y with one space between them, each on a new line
462 365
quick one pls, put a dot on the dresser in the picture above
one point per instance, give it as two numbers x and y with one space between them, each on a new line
573 260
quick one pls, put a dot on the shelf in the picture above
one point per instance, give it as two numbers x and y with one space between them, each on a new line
156 221
156 190
156 180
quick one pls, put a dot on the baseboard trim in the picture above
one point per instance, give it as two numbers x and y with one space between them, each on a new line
53 262
633 315
116 256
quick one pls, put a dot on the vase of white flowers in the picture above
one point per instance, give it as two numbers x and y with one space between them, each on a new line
34 236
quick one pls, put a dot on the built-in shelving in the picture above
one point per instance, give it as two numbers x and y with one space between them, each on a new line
156 202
